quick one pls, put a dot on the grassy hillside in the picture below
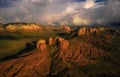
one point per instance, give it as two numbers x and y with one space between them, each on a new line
13 42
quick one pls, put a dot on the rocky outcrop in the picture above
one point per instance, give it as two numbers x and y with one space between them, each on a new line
41 64
96 30
1 29
51 41
92 30
82 54
74 57
36 64
85 30
90 52
62 43
41 44
82 31
67 29
23 27
31 27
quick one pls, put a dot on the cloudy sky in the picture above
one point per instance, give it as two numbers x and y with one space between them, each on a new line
73 12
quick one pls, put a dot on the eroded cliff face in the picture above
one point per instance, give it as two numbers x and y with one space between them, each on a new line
78 53
86 30
61 43
36 64
67 54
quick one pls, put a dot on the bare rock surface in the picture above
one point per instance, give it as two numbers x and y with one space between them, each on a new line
62 43
51 41
39 64
36 64
41 44
67 29
85 30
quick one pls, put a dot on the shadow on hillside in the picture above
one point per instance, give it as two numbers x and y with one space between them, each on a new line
28 47
101 75
8 37
71 35
108 75
62 34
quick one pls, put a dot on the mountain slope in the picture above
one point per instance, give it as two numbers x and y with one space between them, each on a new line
90 55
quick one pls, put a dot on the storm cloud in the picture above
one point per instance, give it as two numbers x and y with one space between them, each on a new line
73 12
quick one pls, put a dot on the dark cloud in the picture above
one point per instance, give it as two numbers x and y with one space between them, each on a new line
60 11
5 3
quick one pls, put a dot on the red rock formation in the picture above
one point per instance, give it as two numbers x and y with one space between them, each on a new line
41 44
90 51
62 43
67 29
51 41
82 31
93 30
58 40
74 57
36 64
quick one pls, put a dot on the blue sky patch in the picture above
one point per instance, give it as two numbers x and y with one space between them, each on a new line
5 3
101 1
80 0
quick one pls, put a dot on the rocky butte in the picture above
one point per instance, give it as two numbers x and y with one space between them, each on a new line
85 30
67 29
59 56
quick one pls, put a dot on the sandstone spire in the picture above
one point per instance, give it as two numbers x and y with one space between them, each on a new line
41 44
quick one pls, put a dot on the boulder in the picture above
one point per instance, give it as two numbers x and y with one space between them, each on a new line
41 44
